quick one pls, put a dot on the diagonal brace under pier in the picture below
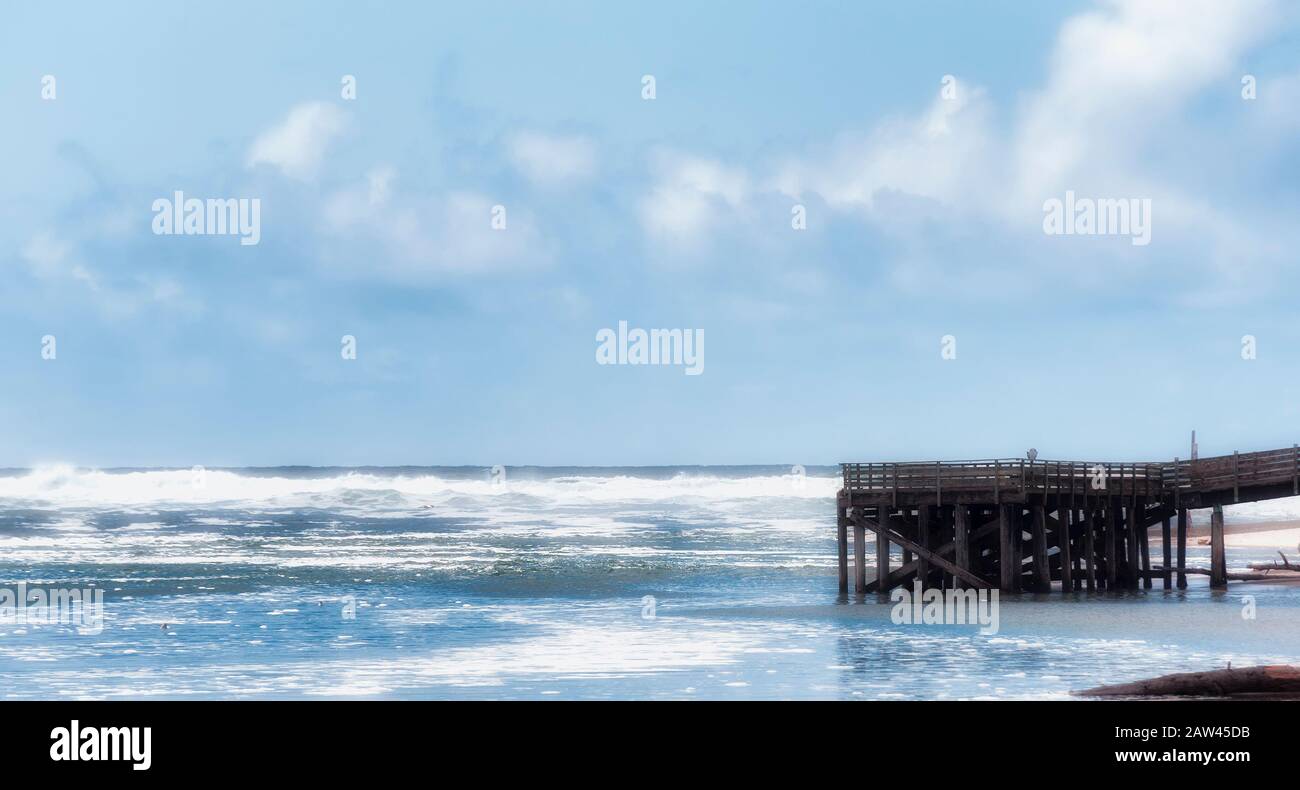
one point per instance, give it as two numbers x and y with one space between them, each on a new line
924 553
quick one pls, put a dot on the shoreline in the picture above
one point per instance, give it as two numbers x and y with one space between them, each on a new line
1277 535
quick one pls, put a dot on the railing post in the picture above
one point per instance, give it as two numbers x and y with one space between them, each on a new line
997 482
938 484
1177 483
1236 465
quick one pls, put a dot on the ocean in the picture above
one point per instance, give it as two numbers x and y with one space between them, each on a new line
541 583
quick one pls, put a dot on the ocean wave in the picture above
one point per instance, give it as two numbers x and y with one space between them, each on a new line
68 486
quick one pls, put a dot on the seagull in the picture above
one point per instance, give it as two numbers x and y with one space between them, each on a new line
1032 455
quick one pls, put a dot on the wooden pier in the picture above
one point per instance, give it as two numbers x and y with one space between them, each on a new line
1022 525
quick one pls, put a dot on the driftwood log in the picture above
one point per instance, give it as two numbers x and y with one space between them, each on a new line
1274 566
1157 570
1280 680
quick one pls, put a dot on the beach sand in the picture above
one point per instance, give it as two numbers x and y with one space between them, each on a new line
1276 535
1279 535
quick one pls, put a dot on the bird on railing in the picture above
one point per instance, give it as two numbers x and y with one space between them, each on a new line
1032 455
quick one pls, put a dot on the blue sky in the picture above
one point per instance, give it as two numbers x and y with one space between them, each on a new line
924 219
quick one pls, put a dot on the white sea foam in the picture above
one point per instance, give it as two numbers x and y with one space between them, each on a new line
64 485
573 652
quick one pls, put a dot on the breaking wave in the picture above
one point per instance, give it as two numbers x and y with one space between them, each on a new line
64 485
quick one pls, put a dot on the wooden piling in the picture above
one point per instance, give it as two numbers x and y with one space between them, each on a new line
1042 572
1218 557
1131 543
948 534
1144 554
1018 548
859 553
961 540
1112 566
882 550
1182 548
1065 521
1166 550
842 533
1008 523
1090 549
923 540
1076 550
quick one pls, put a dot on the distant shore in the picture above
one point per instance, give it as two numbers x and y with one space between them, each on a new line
1279 535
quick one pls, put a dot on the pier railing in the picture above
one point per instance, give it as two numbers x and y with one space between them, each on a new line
1022 476
1224 472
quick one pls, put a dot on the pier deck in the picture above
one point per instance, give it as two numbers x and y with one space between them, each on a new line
1024 525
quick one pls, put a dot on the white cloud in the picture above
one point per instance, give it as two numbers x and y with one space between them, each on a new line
551 160
1114 73
1109 120
297 144
1118 70
943 154
45 254
59 262
413 238
690 194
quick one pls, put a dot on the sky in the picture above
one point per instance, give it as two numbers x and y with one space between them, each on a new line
922 311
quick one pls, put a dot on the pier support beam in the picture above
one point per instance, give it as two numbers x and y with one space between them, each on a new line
842 533
859 553
1144 553
1090 548
961 540
937 560
1065 523
882 551
1008 525
1167 551
1112 522
1042 572
923 540
1218 558
1018 549
1182 548
1131 544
